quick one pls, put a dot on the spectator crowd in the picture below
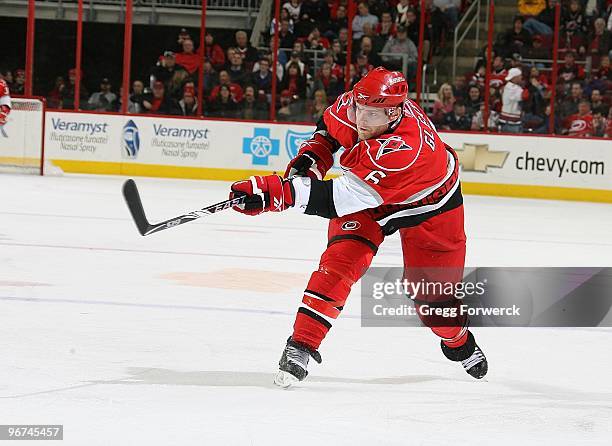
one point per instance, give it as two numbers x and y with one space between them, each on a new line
312 67
522 81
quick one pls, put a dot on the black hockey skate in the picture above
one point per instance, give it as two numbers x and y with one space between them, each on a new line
293 363
470 355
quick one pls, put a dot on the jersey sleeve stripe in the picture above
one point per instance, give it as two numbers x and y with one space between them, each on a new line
351 194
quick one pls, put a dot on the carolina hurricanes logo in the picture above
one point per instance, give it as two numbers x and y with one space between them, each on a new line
392 144
345 99
351 225
578 126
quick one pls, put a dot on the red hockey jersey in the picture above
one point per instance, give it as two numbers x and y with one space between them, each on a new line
5 98
398 175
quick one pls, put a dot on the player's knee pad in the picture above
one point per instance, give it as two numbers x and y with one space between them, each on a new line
352 246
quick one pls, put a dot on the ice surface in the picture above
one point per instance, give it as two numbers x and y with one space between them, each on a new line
173 339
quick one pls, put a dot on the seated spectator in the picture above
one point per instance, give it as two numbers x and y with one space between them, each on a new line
293 8
362 66
318 106
103 100
599 122
223 106
537 49
580 124
569 106
444 103
315 41
603 72
608 132
262 78
478 77
213 52
138 98
337 52
312 13
182 36
450 11
289 109
247 52
544 22
401 45
339 22
573 22
284 17
170 73
531 8
354 77
18 85
224 79
188 58
367 49
386 28
160 104
498 73
513 95
188 104
296 58
457 119
251 107
211 79
411 23
54 97
478 120
67 93
597 101
473 100
460 88
286 39
516 39
599 39
337 70
294 81
236 70
327 82
570 71
362 17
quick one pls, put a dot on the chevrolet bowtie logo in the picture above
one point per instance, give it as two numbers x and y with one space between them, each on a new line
476 157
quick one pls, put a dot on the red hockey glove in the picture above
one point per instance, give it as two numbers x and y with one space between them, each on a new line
313 160
268 193
4 112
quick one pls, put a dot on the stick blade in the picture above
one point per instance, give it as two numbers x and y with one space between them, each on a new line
134 204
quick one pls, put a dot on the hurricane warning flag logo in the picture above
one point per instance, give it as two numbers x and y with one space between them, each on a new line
477 157
130 140
294 140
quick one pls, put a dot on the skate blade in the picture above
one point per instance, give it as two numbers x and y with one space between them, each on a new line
284 379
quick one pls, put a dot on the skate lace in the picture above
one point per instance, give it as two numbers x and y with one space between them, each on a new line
297 356
476 358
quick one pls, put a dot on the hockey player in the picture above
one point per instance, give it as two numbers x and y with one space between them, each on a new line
398 175
5 102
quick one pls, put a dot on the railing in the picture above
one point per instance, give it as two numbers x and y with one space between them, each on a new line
227 5
318 56
471 16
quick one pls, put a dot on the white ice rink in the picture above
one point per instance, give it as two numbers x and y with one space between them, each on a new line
173 339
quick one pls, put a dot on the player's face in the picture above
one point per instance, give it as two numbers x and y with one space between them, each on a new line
373 121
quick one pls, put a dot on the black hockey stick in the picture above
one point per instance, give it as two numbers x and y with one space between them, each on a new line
132 198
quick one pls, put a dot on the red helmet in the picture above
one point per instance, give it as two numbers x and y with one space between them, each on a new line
381 88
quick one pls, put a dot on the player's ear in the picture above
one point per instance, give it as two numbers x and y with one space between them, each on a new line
395 113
